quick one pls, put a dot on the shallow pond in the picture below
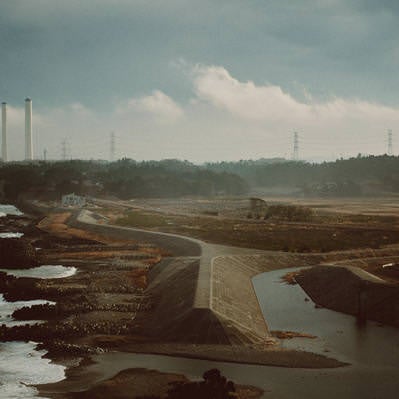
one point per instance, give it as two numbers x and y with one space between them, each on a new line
6 209
21 364
43 272
8 308
11 235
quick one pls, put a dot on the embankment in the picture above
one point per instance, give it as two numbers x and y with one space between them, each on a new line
342 289
194 302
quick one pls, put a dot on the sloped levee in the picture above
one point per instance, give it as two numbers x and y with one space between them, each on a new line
175 317
234 298
194 302
341 289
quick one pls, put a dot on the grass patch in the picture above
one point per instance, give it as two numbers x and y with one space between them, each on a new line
138 219
266 234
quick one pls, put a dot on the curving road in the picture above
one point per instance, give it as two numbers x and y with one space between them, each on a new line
179 246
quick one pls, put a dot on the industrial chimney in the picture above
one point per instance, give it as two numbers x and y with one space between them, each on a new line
28 130
4 132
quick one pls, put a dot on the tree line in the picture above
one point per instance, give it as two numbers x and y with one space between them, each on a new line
127 178
342 177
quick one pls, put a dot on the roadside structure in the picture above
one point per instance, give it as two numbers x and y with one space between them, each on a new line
73 200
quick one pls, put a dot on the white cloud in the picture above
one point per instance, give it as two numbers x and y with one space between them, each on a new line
224 119
156 105
270 103
246 100
160 105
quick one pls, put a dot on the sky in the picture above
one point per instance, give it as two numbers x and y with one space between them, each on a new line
201 80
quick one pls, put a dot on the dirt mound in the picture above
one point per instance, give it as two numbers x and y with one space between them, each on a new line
17 254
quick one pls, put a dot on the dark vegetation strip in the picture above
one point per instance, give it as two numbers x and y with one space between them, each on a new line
127 178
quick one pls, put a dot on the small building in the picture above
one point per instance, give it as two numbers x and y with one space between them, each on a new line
256 204
73 200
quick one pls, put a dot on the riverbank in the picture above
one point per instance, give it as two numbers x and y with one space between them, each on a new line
359 294
134 383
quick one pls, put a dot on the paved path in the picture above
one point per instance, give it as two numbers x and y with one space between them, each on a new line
181 246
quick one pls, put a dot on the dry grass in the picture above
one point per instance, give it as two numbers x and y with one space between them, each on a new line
285 236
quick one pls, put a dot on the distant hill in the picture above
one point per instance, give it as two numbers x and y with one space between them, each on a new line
354 176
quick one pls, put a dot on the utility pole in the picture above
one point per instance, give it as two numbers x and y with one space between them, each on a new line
45 154
390 147
295 154
112 148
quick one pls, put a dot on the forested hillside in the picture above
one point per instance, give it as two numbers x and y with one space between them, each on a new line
352 176
127 178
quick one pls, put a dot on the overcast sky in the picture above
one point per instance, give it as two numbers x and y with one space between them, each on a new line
202 80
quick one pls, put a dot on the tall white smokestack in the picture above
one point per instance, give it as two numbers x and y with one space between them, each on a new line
28 130
4 132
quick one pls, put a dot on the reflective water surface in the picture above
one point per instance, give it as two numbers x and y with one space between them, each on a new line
43 272
371 350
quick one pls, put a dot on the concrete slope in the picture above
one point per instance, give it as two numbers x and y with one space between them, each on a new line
195 302
176 317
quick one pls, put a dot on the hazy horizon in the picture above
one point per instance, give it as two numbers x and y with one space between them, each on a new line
205 82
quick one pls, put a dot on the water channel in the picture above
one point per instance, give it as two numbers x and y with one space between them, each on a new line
372 350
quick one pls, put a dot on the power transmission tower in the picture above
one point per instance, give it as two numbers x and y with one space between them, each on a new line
64 150
112 148
295 154
390 146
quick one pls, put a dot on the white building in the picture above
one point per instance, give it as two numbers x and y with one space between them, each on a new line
73 200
